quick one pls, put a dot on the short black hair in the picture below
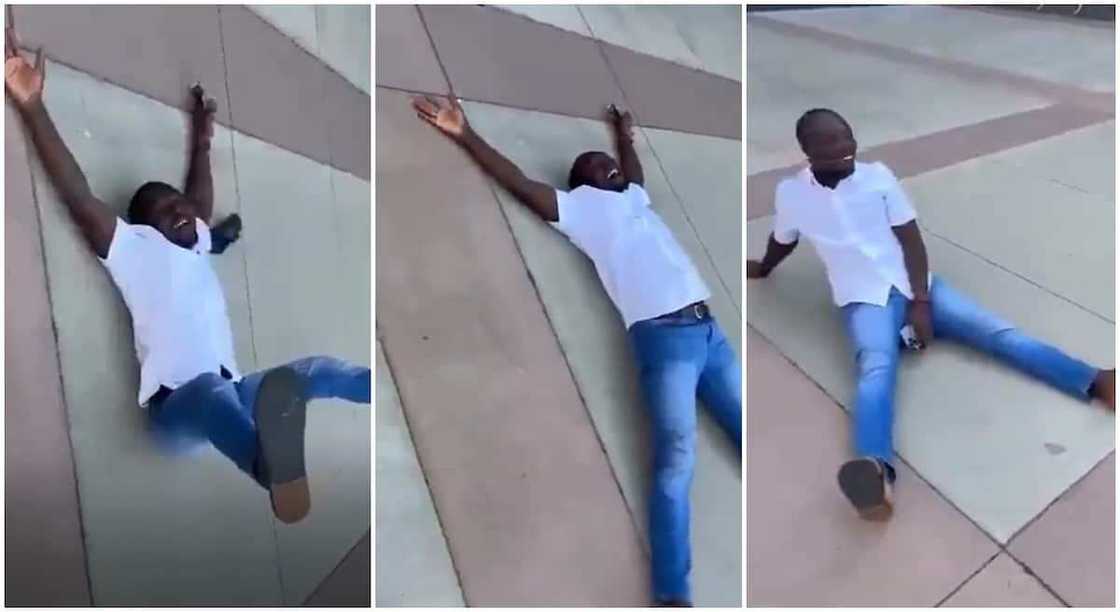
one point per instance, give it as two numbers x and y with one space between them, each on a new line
577 176
148 194
810 116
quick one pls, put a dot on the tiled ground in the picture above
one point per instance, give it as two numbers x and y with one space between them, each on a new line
154 529
1007 491
510 364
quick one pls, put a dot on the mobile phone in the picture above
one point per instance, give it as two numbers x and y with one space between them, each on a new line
910 338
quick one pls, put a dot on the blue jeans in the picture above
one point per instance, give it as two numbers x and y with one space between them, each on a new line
212 409
678 362
874 334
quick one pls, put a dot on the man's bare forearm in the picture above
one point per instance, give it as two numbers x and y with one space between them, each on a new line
628 158
493 162
200 181
59 162
775 253
915 258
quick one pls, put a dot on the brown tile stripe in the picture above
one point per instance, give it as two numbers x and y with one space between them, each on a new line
494 56
246 64
942 149
989 77
43 548
349 584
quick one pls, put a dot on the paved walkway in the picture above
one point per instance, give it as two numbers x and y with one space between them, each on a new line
93 513
1001 126
515 470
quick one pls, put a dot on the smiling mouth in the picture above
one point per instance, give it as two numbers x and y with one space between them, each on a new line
180 223
613 173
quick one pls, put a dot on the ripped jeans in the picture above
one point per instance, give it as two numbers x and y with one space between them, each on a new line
874 334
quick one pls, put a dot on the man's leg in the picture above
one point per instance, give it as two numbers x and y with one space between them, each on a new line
958 318
670 359
721 387
873 332
207 408
323 377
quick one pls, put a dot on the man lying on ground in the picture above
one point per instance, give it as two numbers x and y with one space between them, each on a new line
866 233
159 261
680 350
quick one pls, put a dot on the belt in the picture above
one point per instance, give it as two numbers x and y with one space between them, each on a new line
163 392
697 311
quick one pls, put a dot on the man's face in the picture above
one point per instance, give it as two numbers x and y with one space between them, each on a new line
173 215
602 172
831 150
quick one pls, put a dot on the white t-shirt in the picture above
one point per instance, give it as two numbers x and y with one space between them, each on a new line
644 270
179 318
850 227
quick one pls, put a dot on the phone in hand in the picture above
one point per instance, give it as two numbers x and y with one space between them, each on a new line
910 338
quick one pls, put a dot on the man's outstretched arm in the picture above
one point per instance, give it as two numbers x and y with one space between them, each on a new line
775 253
449 119
624 138
24 83
200 183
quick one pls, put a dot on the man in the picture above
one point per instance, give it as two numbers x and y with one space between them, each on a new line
865 231
188 376
681 351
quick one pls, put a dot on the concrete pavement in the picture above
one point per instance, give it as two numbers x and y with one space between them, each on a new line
1000 125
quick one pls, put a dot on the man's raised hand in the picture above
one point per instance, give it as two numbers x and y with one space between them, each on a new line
23 81
447 116
622 121
203 114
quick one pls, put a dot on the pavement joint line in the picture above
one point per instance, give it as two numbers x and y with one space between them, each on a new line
967 579
876 151
664 172
978 73
1051 18
231 128
423 472
337 566
65 404
595 38
1022 277
1057 498
1030 572
435 51
530 109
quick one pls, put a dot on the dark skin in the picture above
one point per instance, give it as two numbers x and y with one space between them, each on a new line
172 215
830 147
599 169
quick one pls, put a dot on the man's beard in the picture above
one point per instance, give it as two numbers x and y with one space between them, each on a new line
832 178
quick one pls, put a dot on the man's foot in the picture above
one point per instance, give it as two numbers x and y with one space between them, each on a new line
281 414
1104 388
866 484
225 233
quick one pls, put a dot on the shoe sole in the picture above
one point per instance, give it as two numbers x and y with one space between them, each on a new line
281 413
862 483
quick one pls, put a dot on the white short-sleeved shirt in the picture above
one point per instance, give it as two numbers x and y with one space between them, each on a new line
179 318
850 227
643 268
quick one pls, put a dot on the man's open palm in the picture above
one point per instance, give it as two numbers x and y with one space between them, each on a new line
447 116
22 80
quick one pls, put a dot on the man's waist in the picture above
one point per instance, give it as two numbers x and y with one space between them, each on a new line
693 313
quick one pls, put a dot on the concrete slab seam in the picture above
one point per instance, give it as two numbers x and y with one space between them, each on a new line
968 579
599 40
1029 281
216 121
1056 499
334 569
1035 16
435 52
61 376
423 472
957 68
680 201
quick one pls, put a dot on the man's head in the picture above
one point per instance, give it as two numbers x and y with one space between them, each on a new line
598 170
163 207
827 140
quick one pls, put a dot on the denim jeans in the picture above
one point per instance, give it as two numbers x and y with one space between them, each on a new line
678 362
874 334
213 409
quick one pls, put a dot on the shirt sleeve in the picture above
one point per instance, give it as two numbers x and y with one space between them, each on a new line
121 244
205 241
570 214
785 228
639 194
899 209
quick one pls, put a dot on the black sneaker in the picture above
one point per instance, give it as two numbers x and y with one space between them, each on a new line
867 483
281 414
